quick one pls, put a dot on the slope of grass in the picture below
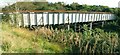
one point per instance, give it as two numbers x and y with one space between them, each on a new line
20 40
45 40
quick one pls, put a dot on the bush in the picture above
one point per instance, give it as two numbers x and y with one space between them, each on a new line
90 41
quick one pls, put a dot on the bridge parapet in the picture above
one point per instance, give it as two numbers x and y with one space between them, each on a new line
53 18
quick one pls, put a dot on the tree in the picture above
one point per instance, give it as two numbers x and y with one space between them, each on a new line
25 6
74 6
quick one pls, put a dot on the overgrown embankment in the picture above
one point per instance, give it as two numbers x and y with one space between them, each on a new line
21 40
45 40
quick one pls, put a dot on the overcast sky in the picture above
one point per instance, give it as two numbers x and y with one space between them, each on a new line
110 3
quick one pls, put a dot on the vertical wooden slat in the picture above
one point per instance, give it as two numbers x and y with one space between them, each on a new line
96 17
72 18
48 18
36 19
108 16
85 17
75 20
43 19
63 18
88 17
58 17
93 17
82 17
101 17
22 21
75 17
53 19
79 18
68 22
68 19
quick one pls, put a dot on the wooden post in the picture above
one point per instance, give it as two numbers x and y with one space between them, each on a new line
68 27
75 21
91 26
36 19
103 24
68 22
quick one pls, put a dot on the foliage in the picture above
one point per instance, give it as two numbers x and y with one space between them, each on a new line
90 41
21 40
56 6
45 40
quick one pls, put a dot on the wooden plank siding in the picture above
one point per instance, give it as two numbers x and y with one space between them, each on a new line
53 18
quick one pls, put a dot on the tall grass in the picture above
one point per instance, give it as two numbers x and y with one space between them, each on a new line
90 41
21 40
44 40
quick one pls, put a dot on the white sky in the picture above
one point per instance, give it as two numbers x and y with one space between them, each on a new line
110 3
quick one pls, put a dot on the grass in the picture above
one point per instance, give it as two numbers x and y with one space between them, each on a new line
20 40
45 40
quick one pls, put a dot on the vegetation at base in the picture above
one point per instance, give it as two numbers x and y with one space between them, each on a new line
45 40
21 40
